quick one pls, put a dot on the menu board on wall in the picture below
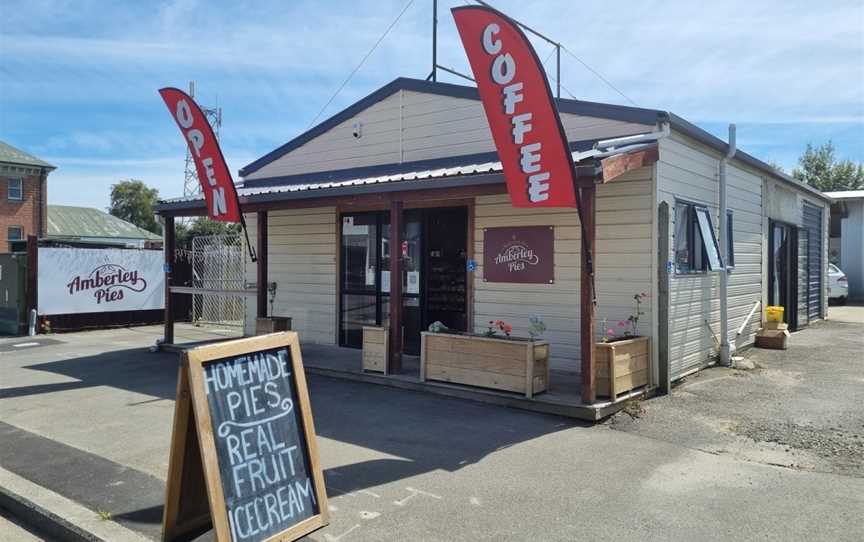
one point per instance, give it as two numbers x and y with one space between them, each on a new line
523 254
258 453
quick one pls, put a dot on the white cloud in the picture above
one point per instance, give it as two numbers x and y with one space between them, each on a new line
78 79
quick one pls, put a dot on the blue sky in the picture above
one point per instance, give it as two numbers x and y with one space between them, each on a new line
78 79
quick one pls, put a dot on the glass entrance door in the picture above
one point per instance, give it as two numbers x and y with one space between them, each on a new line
433 253
360 294
411 252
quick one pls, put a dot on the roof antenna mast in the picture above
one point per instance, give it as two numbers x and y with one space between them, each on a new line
434 75
435 66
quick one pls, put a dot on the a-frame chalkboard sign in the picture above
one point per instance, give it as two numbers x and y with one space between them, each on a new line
244 457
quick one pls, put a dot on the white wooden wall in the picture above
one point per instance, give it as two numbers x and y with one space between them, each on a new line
623 264
303 248
409 126
689 171
302 261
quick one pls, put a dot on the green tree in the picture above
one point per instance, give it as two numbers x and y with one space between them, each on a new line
202 226
819 168
133 201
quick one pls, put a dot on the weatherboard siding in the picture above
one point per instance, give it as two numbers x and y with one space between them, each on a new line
302 262
623 261
689 171
409 126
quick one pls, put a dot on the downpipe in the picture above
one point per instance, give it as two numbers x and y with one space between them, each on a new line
725 351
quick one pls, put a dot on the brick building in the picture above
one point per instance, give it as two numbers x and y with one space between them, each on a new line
23 195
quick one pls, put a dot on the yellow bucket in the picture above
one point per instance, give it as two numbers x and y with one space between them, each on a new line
774 314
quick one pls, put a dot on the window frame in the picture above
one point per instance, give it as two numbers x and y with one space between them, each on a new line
20 181
19 228
697 250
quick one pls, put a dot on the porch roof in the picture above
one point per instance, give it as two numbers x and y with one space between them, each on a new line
405 177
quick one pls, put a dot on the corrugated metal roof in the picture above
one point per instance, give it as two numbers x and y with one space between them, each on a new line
11 155
440 173
68 221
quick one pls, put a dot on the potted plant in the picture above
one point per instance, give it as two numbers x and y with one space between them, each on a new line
494 359
621 359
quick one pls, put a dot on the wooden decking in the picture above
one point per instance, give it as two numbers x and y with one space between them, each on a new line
562 398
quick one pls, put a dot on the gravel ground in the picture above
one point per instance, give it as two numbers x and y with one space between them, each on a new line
802 408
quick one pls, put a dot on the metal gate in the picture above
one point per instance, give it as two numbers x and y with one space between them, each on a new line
218 270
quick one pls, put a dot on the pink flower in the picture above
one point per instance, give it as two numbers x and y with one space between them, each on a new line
610 331
622 323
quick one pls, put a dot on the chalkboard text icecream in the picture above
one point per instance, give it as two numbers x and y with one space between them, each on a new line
252 412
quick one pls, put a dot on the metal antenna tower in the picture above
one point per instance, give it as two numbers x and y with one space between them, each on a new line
191 185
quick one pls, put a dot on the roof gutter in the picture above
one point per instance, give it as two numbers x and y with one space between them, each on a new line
610 144
702 136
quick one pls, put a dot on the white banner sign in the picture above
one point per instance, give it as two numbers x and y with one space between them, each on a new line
77 280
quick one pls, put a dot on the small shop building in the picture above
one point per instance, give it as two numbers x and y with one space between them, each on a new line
406 182
846 239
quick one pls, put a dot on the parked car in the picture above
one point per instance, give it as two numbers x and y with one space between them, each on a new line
838 284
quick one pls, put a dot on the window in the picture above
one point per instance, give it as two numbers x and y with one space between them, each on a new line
696 247
730 241
15 233
15 190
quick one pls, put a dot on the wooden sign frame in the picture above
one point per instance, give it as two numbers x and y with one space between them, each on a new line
193 428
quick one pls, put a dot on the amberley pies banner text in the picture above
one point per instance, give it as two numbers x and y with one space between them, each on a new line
74 281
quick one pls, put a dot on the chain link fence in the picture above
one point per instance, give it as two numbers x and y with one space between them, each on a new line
219 267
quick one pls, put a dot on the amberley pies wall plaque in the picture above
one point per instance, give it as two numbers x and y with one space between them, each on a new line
523 254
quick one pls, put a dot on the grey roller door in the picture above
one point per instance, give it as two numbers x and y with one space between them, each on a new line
803 278
813 225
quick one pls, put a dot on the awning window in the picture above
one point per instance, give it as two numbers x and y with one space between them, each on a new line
709 240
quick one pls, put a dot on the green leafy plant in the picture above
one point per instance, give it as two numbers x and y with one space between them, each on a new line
438 327
536 326
608 332
637 313
628 327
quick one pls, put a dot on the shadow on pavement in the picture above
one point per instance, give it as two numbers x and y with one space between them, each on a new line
419 432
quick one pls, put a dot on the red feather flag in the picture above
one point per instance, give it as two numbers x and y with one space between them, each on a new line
213 174
522 115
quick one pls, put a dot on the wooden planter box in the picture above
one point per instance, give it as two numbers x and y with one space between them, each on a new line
511 365
272 324
622 366
376 347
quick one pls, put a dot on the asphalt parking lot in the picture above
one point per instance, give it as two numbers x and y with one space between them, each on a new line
800 408
87 421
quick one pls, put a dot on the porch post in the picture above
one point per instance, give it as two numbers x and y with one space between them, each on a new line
168 247
261 232
586 298
395 362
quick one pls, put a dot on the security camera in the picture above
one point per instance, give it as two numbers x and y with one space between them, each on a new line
357 130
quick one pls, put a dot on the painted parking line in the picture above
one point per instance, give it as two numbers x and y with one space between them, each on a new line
15 346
